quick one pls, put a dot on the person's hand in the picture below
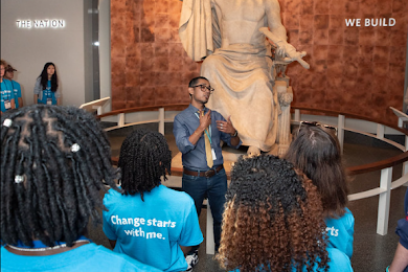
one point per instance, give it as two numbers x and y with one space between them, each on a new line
226 126
205 120
289 54
285 51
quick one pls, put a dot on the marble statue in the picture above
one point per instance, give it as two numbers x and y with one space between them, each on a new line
230 36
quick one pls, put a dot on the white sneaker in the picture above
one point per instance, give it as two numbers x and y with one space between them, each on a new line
192 260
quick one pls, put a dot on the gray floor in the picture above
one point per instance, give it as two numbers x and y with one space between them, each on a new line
372 252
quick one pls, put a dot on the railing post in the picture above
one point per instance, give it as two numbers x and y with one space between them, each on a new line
121 119
297 115
99 110
384 201
161 120
380 131
340 131
400 123
210 231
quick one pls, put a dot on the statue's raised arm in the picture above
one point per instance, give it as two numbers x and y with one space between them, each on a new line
277 35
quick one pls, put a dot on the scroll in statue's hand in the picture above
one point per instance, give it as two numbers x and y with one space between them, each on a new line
285 50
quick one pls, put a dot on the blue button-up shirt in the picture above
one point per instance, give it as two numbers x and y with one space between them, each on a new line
193 156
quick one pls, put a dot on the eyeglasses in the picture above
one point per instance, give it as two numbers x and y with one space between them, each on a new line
331 129
204 88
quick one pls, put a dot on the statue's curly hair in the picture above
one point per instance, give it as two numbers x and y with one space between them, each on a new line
53 162
273 219
144 159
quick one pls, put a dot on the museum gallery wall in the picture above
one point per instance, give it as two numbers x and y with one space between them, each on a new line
356 49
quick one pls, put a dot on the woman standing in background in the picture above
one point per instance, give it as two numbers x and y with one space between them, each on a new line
46 87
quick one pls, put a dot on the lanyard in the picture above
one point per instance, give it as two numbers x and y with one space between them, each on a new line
207 130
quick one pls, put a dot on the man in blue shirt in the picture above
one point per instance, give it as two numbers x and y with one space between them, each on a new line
15 86
198 132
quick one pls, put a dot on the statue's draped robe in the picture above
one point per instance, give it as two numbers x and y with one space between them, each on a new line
236 63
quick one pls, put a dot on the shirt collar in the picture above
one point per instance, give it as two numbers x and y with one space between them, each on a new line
194 109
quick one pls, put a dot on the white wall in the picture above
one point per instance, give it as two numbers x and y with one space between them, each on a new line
28 50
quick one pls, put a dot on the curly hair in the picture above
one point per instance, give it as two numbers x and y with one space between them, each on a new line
144 159
273 219
53 162
317 154
4 63
44 77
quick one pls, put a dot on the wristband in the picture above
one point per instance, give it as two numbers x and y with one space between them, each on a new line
235 134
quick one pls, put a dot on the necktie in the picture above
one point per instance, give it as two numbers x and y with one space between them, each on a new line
207 144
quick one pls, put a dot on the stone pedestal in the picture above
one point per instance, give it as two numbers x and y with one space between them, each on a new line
285 97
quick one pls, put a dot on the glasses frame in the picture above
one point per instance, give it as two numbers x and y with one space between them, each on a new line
204 88
316 124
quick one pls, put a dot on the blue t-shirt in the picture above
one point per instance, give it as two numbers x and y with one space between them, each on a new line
45 95
341 233
6 95
17 91
89 257
152 230
339 262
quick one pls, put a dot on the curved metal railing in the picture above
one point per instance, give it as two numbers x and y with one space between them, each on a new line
386 166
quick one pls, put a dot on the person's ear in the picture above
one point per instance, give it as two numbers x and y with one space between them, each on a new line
190 91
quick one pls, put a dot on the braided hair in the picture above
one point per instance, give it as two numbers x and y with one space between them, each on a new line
53 162
144 158
273 219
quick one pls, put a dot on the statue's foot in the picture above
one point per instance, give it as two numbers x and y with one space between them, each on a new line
253 151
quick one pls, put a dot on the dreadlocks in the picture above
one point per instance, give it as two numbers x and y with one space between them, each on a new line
273 219
144 158
53 161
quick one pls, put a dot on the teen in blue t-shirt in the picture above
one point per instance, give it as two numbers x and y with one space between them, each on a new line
46 87
88 257
9 74
341 232
161 223
7 96
273 221
53 190
149 218
315 151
